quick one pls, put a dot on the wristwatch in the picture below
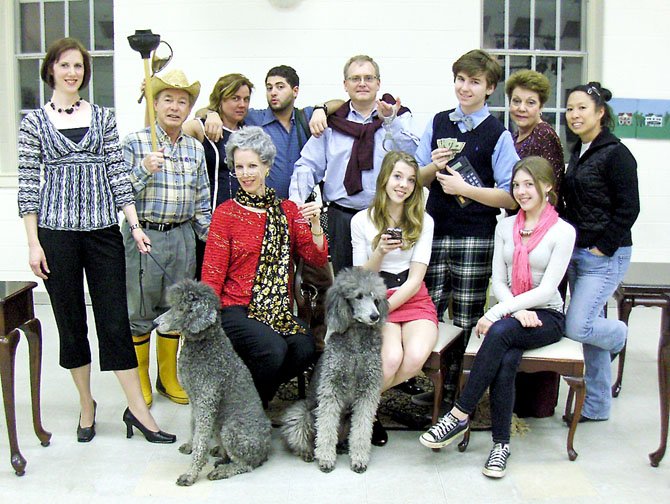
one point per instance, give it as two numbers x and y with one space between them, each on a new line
322 107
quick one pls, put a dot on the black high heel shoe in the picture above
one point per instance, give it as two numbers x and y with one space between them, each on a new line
409 387
151 436
85 434
379 435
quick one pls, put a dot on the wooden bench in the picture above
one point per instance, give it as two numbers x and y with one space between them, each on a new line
565 357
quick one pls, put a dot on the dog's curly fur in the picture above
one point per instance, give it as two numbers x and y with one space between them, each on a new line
225 405
347 380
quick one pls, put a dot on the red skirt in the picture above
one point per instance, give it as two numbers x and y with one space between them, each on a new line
419 307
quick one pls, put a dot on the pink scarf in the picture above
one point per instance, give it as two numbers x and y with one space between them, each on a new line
522 278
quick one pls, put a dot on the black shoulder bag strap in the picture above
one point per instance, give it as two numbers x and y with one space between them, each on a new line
301 119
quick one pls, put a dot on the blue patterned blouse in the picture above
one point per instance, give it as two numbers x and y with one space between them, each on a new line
85 183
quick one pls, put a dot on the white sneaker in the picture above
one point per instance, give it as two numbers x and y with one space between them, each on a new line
497 463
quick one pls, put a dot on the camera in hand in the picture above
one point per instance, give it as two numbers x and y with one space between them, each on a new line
395 233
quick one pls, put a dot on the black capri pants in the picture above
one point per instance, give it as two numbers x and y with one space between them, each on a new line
101 255
273 359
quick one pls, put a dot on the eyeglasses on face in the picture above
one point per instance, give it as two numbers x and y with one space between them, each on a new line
240 171
368 79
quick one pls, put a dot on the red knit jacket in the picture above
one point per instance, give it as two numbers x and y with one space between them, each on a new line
234 247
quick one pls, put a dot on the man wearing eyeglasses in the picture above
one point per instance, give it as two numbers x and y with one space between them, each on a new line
348 155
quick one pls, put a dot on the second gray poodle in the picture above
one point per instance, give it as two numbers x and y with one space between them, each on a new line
347 380
225 405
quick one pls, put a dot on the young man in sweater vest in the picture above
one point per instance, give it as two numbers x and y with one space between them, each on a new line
465 214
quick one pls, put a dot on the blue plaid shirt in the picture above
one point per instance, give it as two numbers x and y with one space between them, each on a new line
177 193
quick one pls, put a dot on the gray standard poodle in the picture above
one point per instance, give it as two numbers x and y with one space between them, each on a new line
225 405
347 380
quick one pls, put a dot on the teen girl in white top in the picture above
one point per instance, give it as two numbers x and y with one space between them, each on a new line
410 332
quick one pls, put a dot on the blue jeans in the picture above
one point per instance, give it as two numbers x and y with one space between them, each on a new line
593 279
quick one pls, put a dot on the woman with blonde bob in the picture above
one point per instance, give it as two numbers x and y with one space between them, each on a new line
394 237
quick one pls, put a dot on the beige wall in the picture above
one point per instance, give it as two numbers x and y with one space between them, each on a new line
414 42
635 66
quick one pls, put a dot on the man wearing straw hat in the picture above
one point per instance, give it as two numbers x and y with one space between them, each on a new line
172 200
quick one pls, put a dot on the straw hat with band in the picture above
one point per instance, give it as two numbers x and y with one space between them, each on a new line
175 79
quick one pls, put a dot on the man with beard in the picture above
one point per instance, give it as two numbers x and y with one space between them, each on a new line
288 126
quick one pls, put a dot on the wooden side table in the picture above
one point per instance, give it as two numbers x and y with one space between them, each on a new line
648 284
17 312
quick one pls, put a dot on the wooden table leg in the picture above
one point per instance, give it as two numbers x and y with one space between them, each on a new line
577 385
33 331
437 377
663 384
7 357
625 306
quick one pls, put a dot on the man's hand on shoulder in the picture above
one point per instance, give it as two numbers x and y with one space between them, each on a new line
318 123
213 126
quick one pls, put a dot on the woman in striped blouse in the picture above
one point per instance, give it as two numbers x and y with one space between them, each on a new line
72 228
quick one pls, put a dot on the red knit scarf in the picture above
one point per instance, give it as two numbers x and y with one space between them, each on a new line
364 142
522 278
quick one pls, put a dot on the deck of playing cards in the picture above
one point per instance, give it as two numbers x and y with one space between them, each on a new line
451 143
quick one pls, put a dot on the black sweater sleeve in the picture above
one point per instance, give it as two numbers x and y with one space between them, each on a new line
625 200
